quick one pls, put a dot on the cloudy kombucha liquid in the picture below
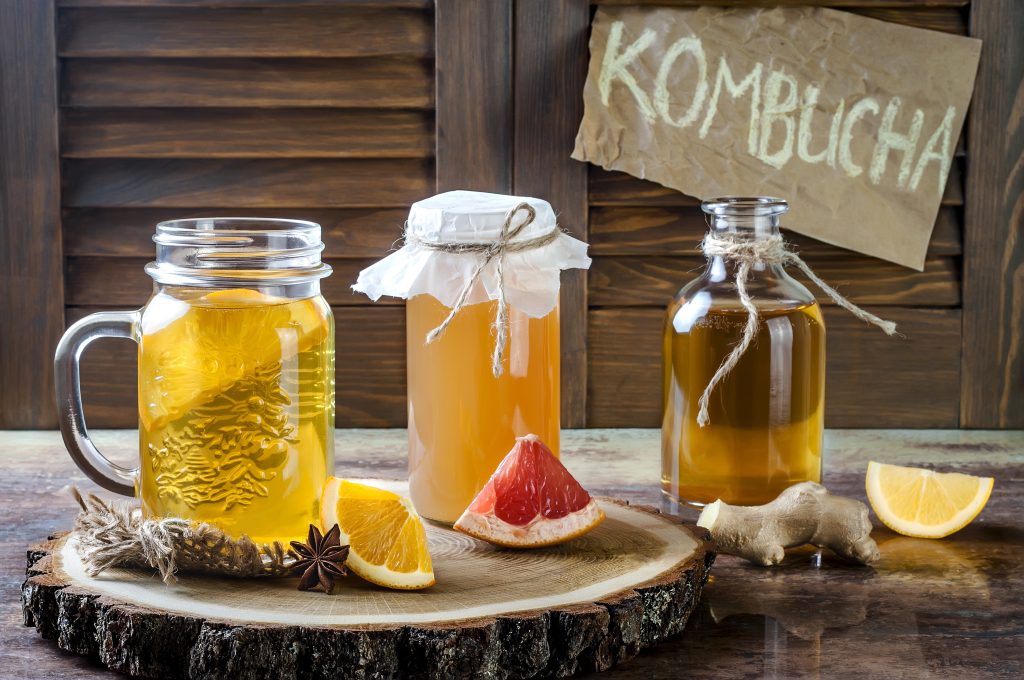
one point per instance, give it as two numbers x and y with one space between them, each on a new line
463 420
767 418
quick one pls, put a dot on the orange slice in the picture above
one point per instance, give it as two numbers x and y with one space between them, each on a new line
386 540
530 501
923 503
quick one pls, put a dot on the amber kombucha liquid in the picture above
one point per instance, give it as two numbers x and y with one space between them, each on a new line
767 415
236 410
463 420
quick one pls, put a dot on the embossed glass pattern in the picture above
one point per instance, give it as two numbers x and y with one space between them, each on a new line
236 379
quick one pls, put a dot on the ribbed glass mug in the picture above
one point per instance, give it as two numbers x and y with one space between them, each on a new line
236 378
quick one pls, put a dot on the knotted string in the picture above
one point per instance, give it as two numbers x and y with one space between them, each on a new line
491 250
115 534
747 253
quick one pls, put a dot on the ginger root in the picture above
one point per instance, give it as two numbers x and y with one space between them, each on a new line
803 513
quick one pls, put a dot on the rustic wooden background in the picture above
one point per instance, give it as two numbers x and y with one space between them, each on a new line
116 114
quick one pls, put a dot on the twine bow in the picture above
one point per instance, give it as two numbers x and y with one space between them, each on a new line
490 250
746 253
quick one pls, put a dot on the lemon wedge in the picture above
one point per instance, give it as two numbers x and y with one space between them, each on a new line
386 539
923 503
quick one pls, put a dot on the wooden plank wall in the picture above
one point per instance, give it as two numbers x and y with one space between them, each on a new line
315 110
31 295
643 238
993 342
344 113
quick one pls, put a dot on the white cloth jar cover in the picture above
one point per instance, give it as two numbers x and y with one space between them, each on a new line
531 277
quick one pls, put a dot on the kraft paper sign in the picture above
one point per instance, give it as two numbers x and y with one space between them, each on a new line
853 120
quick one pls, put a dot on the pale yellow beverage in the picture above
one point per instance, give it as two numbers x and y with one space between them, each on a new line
463 420
236 409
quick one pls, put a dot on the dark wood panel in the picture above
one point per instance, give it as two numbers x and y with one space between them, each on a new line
845 4
245 183
369 359
246 133
121 281
339 31
637 281
993 347
631 230
31 301
550 58
607 187
474 91
945 19
351 83
409 4
618 188
872 381
128 232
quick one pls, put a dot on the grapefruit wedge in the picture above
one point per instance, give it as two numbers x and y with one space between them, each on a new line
530 501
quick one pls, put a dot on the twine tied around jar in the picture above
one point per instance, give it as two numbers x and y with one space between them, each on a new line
490 250
115 534
747 253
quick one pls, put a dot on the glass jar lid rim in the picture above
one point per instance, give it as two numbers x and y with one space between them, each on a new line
749 206
240 225
212 250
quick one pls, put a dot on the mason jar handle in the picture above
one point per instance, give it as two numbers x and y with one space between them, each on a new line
94 464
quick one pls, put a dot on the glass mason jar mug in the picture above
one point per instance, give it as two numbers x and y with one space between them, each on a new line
766 416
236 379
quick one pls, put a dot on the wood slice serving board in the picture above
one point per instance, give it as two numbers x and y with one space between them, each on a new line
495 613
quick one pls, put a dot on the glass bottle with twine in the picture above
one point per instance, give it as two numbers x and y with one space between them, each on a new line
481 276
744 364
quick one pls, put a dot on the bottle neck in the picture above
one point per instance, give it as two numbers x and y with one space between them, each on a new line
751 226
748 227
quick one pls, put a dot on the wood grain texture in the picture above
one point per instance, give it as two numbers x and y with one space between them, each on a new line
550 58
804 618
117 281
845 4
653 280
183 183
31 277
369 370
338 31
246 133
634 605
946 19
993 340
128 232
380 82
388 4
872 380
618 188
629 230
474 95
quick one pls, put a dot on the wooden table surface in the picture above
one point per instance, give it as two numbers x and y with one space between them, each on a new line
952 608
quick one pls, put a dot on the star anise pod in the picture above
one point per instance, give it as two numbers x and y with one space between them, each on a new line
320 560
